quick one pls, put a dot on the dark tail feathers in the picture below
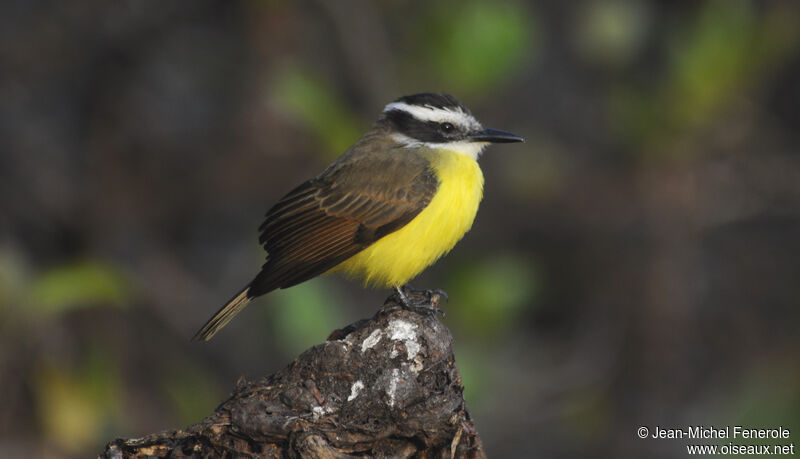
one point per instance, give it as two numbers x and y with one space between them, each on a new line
224 315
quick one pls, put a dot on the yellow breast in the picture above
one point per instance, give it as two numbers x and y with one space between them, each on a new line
398 257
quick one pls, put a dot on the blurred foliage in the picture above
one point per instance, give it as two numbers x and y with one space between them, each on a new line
720 54
475 379
769 397
13 273
593 220
610 32
316 104
305 315
491 293
81 284
79 405
191 391
712 61
475 44
588 414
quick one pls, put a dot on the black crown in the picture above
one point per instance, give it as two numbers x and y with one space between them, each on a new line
429 99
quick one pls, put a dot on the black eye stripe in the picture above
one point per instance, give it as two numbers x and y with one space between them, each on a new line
424 131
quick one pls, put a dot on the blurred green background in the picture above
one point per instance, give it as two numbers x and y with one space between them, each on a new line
636 262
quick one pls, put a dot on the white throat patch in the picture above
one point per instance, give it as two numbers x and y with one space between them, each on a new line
463 147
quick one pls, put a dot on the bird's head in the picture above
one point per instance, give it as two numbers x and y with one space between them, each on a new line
439 121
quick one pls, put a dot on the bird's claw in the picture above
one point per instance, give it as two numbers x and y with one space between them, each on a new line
425 301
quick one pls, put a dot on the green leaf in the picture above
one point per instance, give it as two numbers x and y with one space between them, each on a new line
317 105
715 59
476 44
304 315
473 366
492 293
84 283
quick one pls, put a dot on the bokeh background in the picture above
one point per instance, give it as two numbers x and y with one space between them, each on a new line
636 262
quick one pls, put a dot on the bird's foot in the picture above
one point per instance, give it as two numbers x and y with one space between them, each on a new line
421 301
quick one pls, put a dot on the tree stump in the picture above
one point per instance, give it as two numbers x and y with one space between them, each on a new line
383 387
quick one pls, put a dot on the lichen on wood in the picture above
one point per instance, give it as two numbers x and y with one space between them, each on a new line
383 387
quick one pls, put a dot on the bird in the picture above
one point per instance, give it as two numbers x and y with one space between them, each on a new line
396 201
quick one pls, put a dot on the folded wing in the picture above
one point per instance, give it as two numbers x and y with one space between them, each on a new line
330 218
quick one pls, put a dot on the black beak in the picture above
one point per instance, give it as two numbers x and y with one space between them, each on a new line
495 136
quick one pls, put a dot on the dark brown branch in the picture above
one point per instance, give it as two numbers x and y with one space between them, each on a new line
383 387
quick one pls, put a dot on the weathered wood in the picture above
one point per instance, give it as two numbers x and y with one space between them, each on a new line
383 387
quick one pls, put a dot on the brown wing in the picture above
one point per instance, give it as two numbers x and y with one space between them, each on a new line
336 215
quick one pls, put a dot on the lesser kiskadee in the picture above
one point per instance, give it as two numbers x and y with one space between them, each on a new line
389 207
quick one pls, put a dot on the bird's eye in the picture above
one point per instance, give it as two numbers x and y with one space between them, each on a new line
448 127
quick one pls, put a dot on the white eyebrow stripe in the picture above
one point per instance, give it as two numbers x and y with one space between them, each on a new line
437 115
